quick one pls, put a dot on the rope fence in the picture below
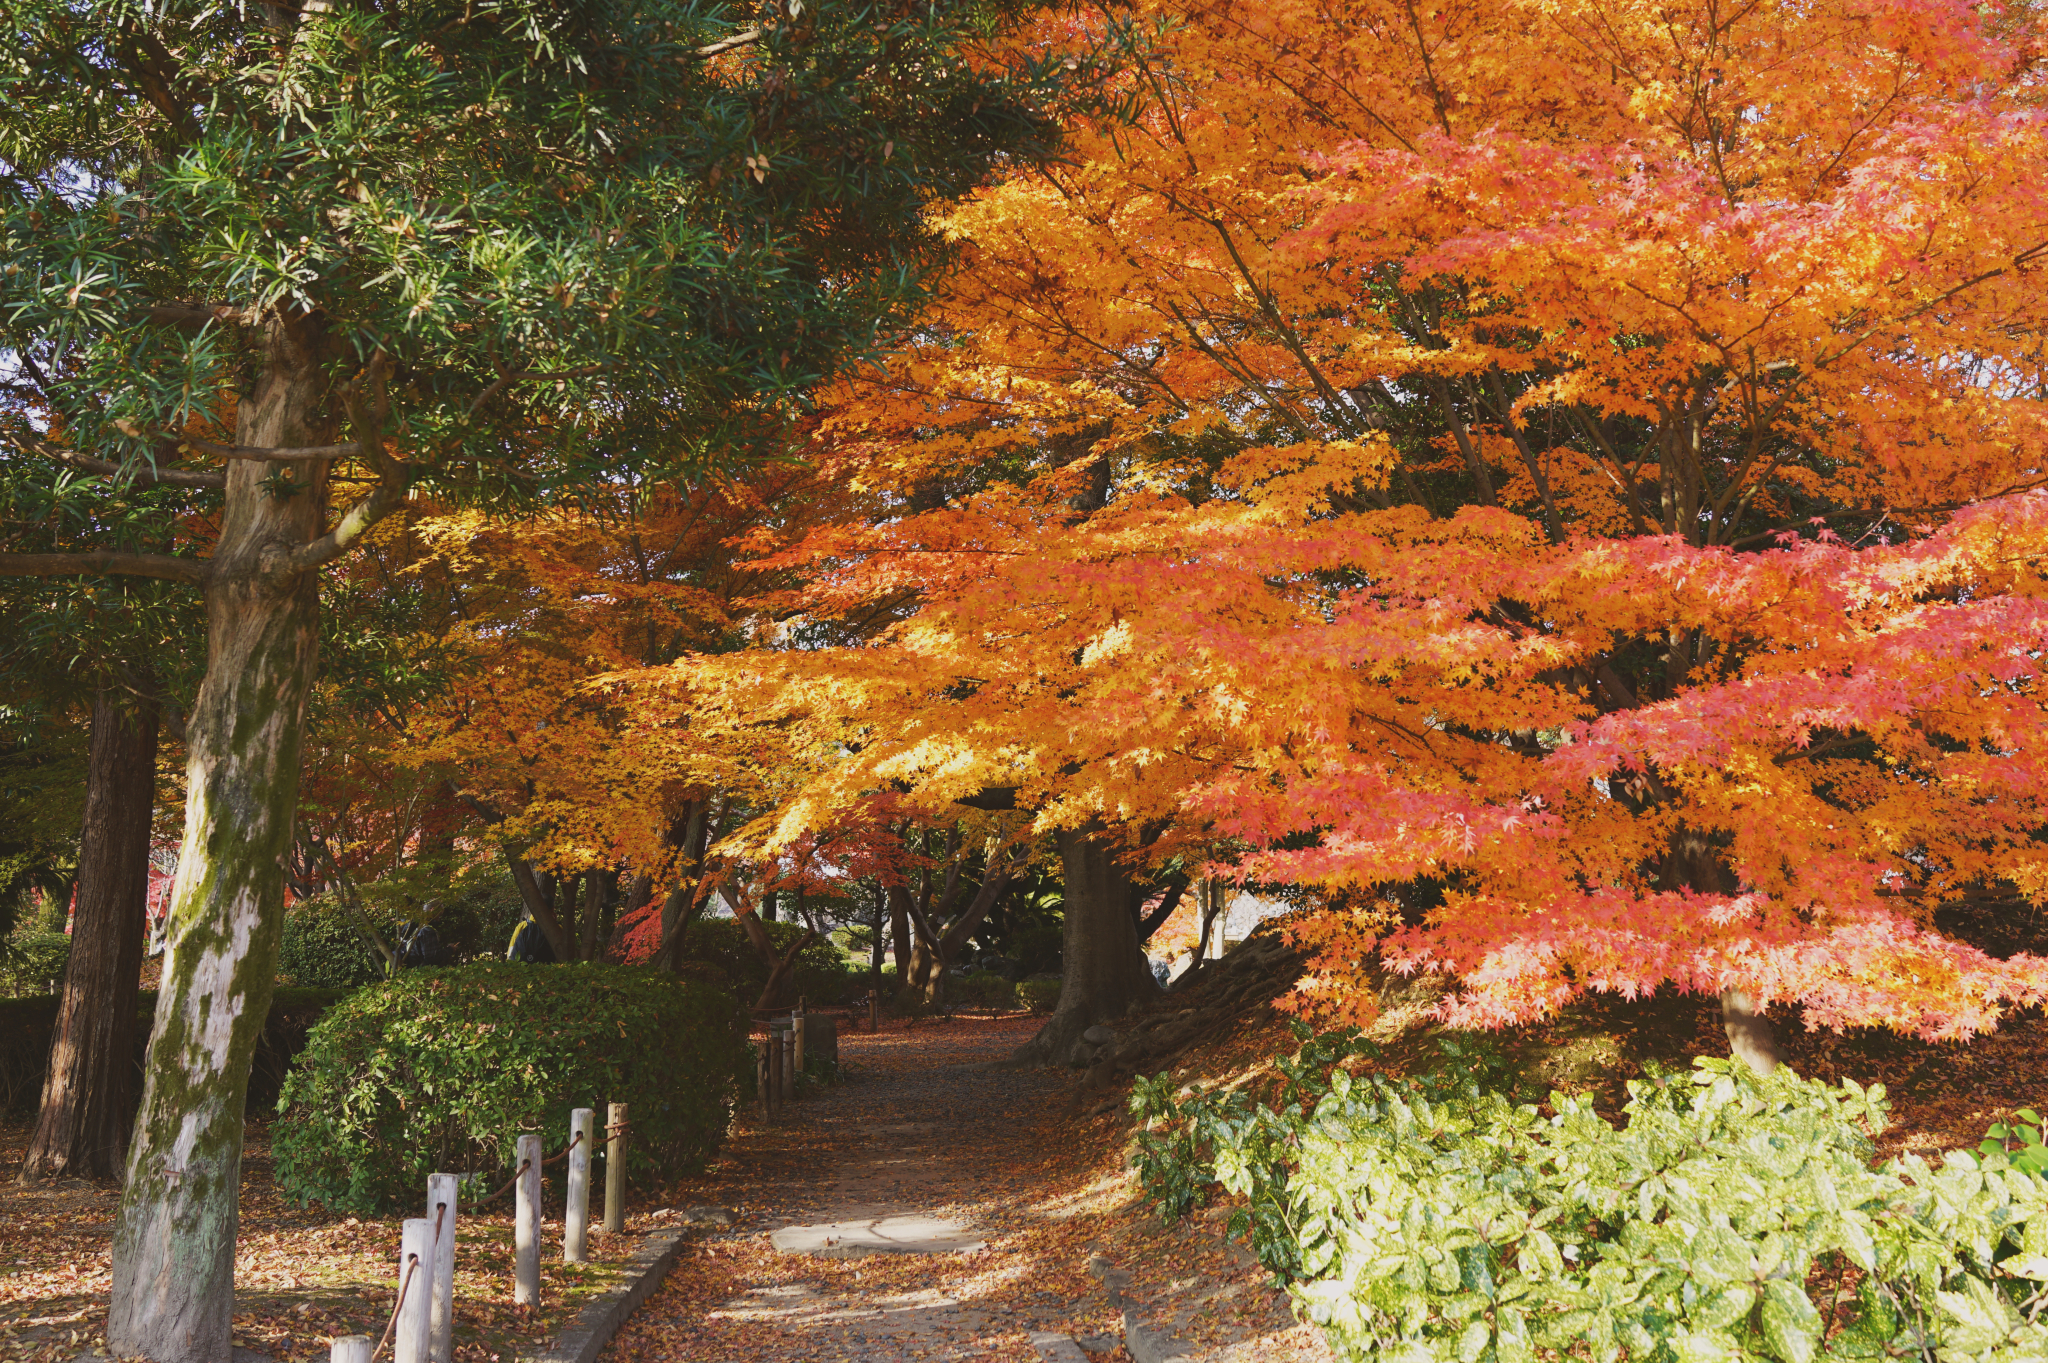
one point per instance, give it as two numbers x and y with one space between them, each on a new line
421 1326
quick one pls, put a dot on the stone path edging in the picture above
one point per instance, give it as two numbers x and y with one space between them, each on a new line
583 1338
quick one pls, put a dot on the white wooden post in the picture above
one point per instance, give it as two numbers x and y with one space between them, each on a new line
615 1169
443 1202
415 1275
350 1349
576 1204
526 1225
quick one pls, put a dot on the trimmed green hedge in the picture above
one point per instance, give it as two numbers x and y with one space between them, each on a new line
440 1071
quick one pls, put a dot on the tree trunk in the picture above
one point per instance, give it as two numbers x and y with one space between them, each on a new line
1102 970
1751 1038
899 931
1695 862
996 878
174 1236
881 927
89 1093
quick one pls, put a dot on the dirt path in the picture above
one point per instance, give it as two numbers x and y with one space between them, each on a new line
923 1126
920 1126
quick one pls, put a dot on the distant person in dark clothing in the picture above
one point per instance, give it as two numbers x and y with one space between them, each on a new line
421 945
530 944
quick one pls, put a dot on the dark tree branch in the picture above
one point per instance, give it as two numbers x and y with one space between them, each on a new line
140 474
107 562
280 454
199 314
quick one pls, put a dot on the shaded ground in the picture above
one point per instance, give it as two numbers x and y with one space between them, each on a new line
301 1276
923 1125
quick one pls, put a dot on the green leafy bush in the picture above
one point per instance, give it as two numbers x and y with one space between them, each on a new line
440 1070
1040 996
1731 1217
721 943
321 948
981 989
30 959
2020 1141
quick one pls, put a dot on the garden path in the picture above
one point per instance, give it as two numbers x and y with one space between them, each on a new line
922 1126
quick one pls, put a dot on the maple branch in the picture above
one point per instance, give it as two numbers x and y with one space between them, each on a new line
164 567
1551 520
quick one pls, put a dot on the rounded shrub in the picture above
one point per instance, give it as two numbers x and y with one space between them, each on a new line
33 962
1040 996
321 948
981 989
441 1070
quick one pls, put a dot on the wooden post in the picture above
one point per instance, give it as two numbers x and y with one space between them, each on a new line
409 1341
773 1046
526 1225
761 1079
443 1201
796 1032
576 1202
615 1169
789 1064
350 1349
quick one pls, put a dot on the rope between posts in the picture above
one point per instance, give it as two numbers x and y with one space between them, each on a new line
510 1183
524 1165
412 1266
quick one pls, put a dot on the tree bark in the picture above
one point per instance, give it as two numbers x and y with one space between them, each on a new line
1102 970
1751 1039
174 1236
1696 863
89 1092
939 958
899 930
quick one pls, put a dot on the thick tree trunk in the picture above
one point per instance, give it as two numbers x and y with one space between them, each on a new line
89 1093
1103 972
1751 1039
1696 863
174 1237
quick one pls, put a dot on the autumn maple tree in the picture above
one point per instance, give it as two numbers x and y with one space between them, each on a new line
1560 479
311 261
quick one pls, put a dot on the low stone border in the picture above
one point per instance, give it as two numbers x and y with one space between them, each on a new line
583 1338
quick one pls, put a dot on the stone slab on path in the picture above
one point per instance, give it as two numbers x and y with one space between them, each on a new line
877 1235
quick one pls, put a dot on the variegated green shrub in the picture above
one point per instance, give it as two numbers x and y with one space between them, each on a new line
1730 1217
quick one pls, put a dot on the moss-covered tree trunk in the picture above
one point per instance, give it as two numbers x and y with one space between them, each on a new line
1103 971
89 1091
174 1238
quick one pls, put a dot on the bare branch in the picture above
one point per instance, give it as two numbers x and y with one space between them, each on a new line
106 563
141 474
746 38
199 314
279 454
